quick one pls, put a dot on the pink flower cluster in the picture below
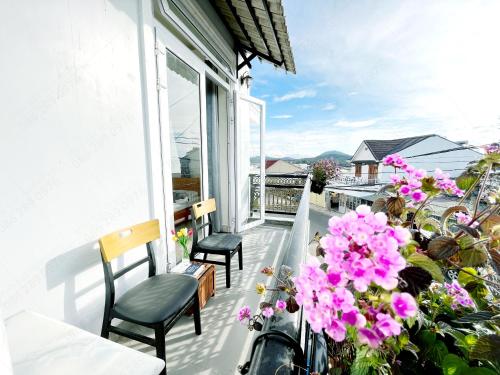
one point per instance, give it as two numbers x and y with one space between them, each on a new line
463 218
245 313
361 251
411 184
444 183
459 296
492 148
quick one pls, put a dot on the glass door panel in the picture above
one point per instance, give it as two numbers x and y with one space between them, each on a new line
250 162
185 137
217 141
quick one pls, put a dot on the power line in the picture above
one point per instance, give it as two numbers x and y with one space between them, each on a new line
443 151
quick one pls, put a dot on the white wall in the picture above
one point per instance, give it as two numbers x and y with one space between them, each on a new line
73 151
363 153
453 162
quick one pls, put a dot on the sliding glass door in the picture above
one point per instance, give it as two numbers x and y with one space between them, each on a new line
250 165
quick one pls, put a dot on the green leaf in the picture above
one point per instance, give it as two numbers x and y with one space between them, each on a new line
473 257
454 365
486 348
438 352
470 340
469 230
426 263
442 247
466 242
426 338
465 181
480 316
464 278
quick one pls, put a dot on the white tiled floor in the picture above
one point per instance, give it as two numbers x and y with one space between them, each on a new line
224 343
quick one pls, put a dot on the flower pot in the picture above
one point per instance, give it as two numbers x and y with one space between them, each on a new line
317 186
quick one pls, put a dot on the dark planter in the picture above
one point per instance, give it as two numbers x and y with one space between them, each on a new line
317 186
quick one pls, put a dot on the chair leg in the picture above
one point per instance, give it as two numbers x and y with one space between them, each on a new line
205 256
228 271
106 322
196 314
160 345
240 256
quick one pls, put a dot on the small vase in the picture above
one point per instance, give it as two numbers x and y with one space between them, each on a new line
317 186
185 255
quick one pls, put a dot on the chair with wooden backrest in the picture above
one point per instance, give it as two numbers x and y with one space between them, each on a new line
157 302
225 244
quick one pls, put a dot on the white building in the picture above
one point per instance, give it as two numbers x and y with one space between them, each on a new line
106 108
368 173
282 167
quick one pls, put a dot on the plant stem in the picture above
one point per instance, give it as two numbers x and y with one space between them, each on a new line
471 274
418 210
469 191
481 190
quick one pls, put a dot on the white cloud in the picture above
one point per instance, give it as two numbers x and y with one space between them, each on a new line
355 124
416 64
282 116
329 107
300 94
263 96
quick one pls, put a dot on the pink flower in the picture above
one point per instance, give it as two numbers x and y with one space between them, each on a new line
336 330
404 305
405 190
369 337
395 179
244 313
354 318
280 305
459 296
387 326
419 174
418 195
267 312
463 218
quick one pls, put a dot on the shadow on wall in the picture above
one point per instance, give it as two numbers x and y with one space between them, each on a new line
64 270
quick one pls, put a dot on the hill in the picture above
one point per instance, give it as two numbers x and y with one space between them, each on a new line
340 157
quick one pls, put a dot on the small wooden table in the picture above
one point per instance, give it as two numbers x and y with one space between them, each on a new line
206 284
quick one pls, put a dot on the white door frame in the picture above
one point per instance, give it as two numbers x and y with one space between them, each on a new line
239 226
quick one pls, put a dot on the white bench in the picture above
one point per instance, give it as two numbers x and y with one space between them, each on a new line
42 346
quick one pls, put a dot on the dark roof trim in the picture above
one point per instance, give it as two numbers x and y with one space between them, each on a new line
259 29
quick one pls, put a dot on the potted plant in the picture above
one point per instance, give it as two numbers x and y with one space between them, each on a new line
397 291
182 237
322 171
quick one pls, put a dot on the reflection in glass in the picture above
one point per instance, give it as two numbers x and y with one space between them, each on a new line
185 136
249 161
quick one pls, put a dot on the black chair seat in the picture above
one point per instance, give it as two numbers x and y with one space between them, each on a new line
219 243
156 299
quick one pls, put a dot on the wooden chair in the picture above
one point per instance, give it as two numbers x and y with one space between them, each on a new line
225 244
157 302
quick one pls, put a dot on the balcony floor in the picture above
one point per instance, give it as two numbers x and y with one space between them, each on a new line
224 343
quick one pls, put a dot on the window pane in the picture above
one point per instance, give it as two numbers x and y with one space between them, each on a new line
185 135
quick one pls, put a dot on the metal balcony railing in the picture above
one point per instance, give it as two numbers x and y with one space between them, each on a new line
353 180
286 338
283 192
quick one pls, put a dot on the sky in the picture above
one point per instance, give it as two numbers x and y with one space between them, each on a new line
383 70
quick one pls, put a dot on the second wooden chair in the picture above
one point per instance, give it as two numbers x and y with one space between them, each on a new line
222 244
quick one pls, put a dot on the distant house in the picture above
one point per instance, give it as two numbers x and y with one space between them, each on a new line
282 166
367 173
426 152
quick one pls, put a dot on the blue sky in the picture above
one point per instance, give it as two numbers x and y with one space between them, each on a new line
381 70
